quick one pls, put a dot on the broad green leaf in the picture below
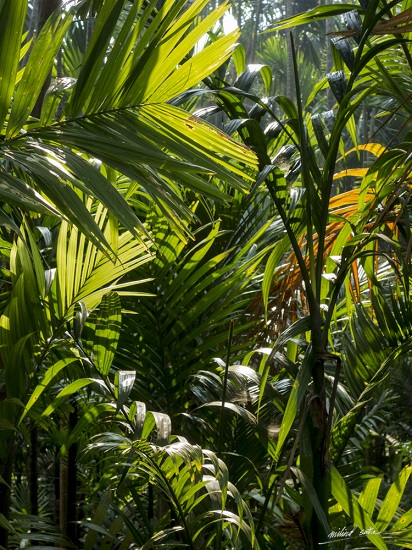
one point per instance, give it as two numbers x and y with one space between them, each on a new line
6 425
239 59
45 173
96 51
159 539
111 79
38 67
295 399
313 497
84 274
343 430
90 417
22 319
272 264
352 129
316 14
66 392
83 171
123 385
5 523
367 498
193 71
15 191
170 42
35 263
101 513
403 522
204 141
70 269
137 415
47 378
237 409
163 427
53 97
150 30
107 332
6 221
392 499
61 269
354 511
246 79
12 17
154 145
287 105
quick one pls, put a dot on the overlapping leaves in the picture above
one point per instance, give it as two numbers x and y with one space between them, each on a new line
117 113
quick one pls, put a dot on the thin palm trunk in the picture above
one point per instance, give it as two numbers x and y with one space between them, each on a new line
6 493
254 41
63 488
32 28
239 13
34 472
72 506
318 429
63 485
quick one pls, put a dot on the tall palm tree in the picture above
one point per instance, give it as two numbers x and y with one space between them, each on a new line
330 256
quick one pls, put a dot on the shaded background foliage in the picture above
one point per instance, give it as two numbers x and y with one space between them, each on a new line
250 295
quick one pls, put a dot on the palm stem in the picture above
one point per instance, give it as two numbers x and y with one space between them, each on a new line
224 390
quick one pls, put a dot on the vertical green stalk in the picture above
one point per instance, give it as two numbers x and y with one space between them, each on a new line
72 525
307 182
218 540
6 492
316 420
224 390
33 471
63 486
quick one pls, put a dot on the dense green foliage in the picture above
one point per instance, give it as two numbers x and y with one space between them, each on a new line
205 314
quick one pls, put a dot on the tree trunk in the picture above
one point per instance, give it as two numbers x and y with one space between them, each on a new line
56 490
63 494
33 472
239 13
32 28
6 493
317 421
72 527
254 41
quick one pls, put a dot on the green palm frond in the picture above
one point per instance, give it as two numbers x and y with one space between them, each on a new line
196 294
370 349
84 274
117 112
187 477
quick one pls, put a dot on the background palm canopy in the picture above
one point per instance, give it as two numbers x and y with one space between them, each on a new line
205 315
